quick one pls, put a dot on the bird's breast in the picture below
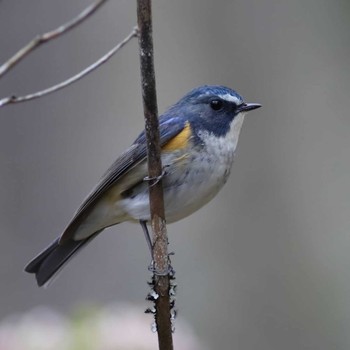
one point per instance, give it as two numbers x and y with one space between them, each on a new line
194 174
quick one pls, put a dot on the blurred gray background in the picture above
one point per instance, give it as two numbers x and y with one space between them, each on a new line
266 264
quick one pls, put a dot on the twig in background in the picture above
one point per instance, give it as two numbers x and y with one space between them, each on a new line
13 99
161 269
44 38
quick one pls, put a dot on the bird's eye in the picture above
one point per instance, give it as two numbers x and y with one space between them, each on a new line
216 104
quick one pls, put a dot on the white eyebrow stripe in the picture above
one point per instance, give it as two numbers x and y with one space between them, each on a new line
230 98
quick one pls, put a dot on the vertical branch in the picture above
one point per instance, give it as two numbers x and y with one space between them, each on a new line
161 278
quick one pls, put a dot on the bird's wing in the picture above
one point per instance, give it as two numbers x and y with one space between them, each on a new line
134 155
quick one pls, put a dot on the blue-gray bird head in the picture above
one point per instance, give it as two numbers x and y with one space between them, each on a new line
215 109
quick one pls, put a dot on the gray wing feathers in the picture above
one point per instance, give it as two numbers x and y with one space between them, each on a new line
128 160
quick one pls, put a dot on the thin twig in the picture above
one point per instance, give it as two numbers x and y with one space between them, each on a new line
161 277
71 80
43 38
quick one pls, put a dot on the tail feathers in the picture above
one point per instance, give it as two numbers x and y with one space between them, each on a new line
50 261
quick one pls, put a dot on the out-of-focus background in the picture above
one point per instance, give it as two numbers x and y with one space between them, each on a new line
266 264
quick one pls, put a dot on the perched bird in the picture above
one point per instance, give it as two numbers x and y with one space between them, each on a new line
198 137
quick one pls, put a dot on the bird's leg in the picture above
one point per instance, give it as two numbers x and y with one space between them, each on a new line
143 224
151 267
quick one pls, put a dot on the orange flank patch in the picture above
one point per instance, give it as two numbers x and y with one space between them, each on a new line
180 141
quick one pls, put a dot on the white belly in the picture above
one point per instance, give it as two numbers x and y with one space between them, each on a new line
190 183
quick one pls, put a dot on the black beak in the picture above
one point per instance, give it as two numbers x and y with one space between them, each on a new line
245 107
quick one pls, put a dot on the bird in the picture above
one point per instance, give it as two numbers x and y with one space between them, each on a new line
198 139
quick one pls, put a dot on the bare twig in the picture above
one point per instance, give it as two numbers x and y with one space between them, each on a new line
161 278
43 38
13 99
